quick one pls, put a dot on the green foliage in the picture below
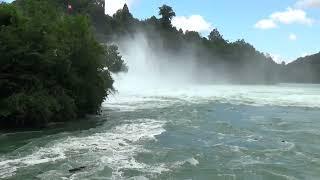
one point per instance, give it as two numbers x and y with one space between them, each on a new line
192 36
51 67
123 21
123 15
215 35
7 14
114 61
166 13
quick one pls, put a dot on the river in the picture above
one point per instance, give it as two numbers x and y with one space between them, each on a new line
195 132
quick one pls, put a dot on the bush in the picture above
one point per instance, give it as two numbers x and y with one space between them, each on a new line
51 67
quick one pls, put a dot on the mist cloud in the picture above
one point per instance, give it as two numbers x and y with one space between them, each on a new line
152 66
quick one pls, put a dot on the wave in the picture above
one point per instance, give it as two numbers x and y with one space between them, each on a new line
276 95
115 148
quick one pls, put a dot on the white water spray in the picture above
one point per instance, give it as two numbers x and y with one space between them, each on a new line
155 74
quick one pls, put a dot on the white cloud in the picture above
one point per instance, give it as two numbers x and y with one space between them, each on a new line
292 37
192 23
289 16
265 24
112 6
308 4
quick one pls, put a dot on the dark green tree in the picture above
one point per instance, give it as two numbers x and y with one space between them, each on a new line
166 13
192 36
52 68
215 35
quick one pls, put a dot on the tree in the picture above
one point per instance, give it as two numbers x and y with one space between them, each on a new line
123 20
215 35
51 68
166 13
100 3
114 61
123 16
6 14
152 21
192 36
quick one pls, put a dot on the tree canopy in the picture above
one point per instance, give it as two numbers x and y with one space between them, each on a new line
166 13
52 68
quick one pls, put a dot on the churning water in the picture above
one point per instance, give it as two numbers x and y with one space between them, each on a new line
194 132
160 126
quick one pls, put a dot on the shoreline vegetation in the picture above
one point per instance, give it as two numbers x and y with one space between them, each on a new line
52 67
56 63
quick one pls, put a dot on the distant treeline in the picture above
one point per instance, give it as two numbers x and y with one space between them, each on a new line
238 62
303 70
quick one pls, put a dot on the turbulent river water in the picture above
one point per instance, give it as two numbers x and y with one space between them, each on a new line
191 132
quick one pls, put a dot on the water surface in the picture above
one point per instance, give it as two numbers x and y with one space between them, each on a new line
194 132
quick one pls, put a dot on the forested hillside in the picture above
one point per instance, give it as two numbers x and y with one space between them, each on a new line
303 70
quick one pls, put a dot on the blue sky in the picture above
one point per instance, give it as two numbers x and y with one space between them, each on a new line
293 37
286 29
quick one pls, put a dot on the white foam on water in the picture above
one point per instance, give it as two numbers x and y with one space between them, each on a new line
193 161
228 176
178 164
138 178
236 148
115 148
131 102
281 175
6 170
295 131
255 95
